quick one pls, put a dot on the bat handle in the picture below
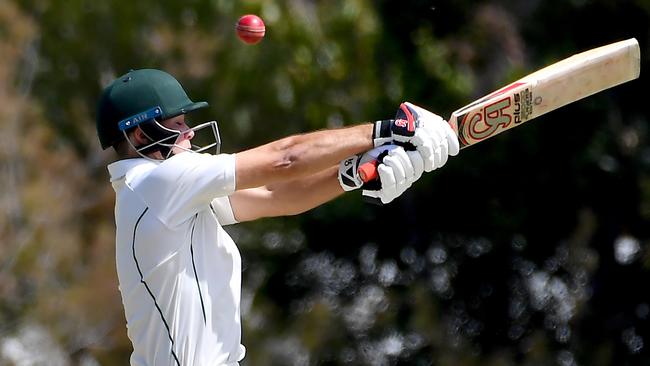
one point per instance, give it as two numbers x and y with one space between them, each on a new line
368 171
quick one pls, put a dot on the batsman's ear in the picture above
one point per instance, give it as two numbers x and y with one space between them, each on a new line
139 136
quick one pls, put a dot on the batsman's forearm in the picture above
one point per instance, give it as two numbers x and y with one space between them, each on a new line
298 196
300 155
320 150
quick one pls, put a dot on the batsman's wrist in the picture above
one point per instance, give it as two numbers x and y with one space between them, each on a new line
381 133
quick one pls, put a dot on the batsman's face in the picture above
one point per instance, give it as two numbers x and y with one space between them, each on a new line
178 123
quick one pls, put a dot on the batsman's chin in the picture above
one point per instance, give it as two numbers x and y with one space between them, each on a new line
182 147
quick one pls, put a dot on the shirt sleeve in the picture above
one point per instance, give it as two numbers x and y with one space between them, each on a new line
222 209
185 184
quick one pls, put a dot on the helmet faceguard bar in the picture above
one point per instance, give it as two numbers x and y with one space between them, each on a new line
167 144
215 133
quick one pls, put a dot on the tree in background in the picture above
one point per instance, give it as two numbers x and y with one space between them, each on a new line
523 262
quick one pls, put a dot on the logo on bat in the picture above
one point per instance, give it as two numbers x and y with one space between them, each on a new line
486 121
497 116
523 106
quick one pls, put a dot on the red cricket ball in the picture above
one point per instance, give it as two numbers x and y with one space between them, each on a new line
250 29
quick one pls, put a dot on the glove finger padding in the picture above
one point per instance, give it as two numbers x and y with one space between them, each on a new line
388 190
397 172
443 129
439 143
418 164
452 140
412 163
401 165
441 154
423 144
448 143
436 132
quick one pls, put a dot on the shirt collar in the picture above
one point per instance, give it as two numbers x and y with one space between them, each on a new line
118 169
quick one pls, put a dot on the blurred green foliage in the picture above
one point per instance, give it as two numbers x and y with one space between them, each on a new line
531 249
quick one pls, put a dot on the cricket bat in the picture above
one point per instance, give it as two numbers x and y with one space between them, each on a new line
550 88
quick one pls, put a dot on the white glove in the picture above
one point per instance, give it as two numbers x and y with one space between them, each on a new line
416 128
397 170
349 177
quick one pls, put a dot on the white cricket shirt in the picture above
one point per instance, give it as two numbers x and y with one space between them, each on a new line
179 272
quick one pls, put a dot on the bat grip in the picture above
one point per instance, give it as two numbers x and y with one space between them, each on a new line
368 171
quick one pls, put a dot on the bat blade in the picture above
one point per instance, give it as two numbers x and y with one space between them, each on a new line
552 87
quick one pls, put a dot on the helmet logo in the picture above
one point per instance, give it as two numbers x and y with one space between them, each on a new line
135 120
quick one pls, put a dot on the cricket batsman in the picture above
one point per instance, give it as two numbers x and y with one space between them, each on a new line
179 272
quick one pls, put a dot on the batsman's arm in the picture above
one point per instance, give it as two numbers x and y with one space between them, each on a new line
286 198
299 156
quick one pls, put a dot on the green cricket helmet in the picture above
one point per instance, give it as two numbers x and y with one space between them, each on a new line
144 98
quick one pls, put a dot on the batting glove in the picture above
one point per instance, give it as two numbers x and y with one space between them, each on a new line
415 128
397 170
